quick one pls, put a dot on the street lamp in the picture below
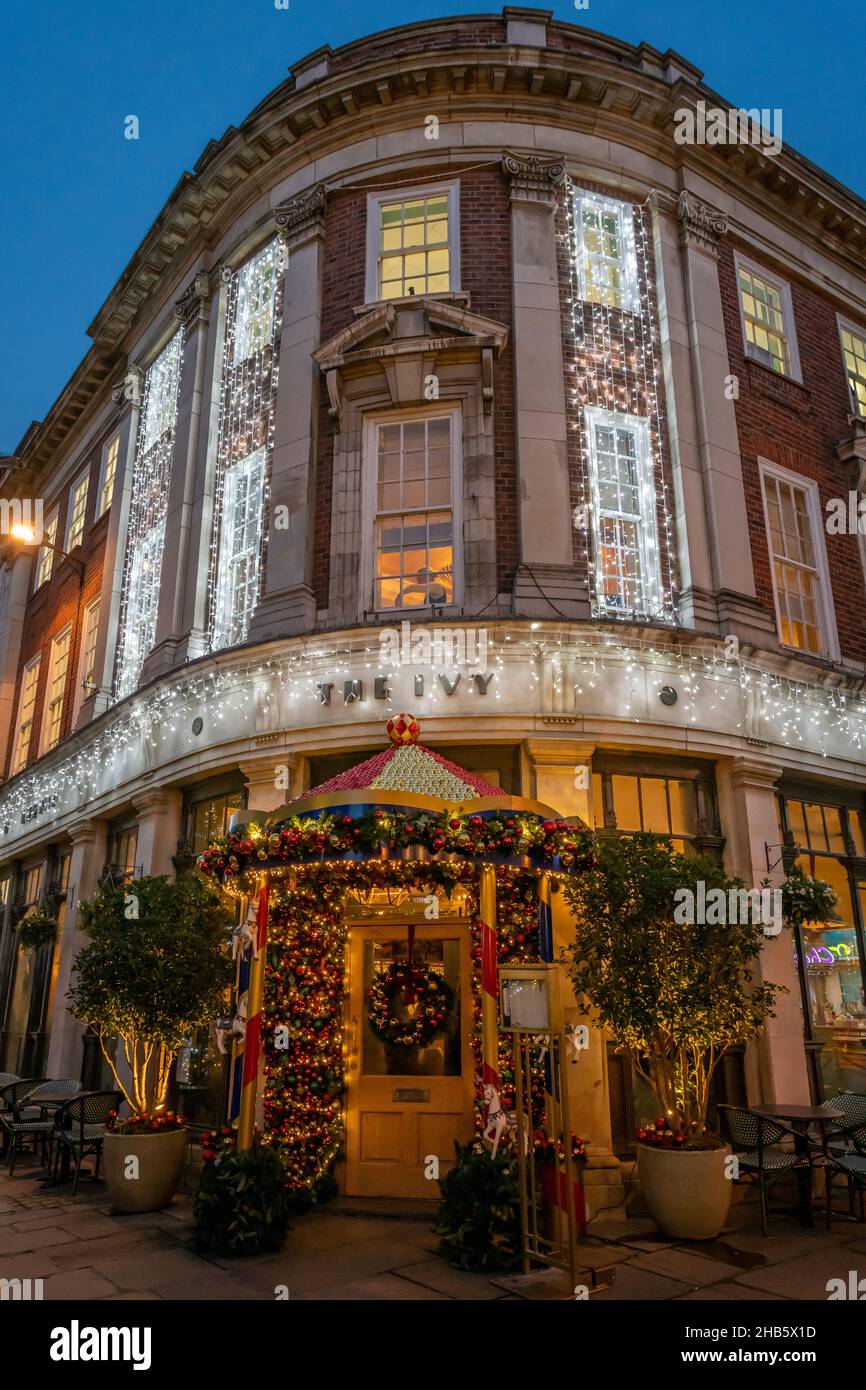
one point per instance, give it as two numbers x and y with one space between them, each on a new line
27 536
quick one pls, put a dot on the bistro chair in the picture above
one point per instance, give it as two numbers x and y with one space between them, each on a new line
754 1139
32 1116
12 1095
849 1163
853 1107
79 1129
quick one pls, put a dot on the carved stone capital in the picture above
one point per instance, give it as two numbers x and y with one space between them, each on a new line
129 389
302 218
533 179
193 306
701 226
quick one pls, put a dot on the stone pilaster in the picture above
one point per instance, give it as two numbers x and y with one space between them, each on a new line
177 639
159 827
15 590
547 585
287 603
722 593
777 1064
89 844
272 780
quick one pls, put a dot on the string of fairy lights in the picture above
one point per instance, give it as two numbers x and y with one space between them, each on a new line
281 691
250 379
615 376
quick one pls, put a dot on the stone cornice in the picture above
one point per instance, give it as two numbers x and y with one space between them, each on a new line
591 83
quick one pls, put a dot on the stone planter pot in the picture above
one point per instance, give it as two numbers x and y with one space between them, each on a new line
160 1164
686 1191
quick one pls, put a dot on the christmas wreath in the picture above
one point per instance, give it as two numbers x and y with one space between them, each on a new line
408 1004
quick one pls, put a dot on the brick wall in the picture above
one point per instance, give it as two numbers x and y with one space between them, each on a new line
485 246
797 427
60 601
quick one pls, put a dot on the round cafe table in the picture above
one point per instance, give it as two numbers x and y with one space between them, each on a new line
799 1118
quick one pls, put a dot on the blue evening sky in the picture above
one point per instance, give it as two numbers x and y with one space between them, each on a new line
79 197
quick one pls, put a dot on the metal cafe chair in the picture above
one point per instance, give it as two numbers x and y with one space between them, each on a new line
33 1117
79 1129
853 1107
849 1163
12 1094
754 1139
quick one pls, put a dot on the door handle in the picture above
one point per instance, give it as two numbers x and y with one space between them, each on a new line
353 1041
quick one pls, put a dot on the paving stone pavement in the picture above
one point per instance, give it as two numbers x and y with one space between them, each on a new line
83 1251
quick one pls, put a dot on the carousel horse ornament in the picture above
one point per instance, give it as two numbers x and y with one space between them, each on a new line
246 933
498 1119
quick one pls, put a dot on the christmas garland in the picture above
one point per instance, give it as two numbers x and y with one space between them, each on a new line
406 986
323 834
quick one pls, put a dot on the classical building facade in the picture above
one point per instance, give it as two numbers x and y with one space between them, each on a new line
453 382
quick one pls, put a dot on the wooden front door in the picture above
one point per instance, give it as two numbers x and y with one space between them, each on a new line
407 1105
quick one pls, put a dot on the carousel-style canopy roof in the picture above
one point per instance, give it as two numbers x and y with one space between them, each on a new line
407 766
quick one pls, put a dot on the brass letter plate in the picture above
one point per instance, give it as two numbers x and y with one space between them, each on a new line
407 1094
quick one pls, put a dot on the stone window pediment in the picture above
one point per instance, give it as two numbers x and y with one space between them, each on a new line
407 339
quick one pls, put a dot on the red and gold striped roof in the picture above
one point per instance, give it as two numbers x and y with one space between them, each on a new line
407 766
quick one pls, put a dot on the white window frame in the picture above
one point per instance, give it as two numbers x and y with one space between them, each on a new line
374 202
47 702
370 510
625 216
17 764
83 477
650 556
223 589
848 326
87 627
271 251
101 506
45 554
827 616
794 372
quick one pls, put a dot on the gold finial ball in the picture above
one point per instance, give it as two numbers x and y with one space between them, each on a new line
402 729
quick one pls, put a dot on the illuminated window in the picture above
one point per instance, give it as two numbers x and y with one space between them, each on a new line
151 474
414 512
45 558
109 473
623 505
24 723
412 243
55 690
87 682
606 253
768 320
77 510
237 588
254 312
854 352
799 566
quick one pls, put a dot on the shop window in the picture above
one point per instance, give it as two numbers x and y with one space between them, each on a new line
830 955
622 487
414 514
654 803
606 252
801 584
210 819
237 588
412 243
121 864
767 316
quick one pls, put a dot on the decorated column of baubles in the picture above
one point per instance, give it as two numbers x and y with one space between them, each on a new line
303 1005
516 942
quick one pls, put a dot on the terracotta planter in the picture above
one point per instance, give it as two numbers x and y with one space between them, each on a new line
160 1164
686 1191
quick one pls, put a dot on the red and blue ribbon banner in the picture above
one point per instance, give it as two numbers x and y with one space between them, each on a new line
247 1043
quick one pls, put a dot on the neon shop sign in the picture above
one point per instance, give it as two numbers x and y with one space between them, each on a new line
829 955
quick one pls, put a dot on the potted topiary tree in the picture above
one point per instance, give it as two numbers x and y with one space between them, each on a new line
156 967
674 994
